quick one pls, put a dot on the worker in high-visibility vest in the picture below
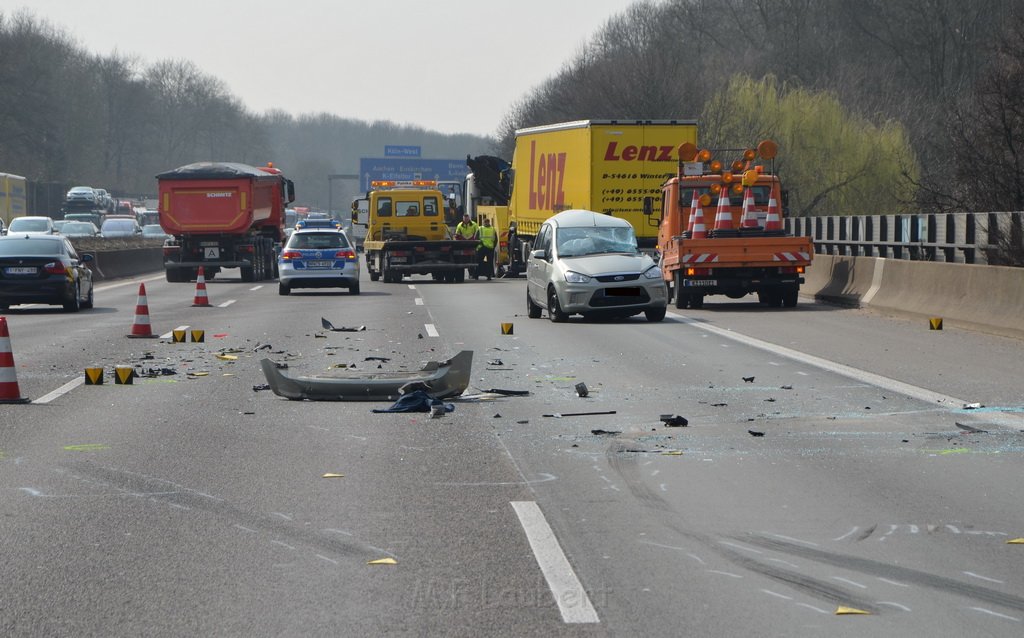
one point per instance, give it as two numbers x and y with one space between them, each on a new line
488 237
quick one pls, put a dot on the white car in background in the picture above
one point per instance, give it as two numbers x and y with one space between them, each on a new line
31 225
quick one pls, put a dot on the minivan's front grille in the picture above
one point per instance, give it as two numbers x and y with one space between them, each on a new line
614 278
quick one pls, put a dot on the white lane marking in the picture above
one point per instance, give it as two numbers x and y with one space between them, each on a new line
849 582
791 539
784 562
847 534
62 390
572 600
817 609
743 547
431 330
997 615
226 303
831 366
171 333
246 529
896 605
729 574
255 288
329 560
412 287
419 301
282 544
771 593
980 577
953 529
31 491
892 582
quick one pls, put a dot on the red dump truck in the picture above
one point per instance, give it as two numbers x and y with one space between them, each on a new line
721 230
223 215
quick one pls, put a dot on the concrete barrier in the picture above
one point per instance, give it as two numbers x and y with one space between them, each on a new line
128 262
987 298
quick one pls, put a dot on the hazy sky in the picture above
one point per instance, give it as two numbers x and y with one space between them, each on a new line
450 65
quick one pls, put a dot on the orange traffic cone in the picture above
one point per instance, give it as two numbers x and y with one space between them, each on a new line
697 228
749 218
773 222
201 299
723 216
140 327
9 391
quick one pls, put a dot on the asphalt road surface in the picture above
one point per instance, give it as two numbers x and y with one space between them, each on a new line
842 473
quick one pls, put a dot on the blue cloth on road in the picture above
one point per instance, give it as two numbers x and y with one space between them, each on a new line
418 401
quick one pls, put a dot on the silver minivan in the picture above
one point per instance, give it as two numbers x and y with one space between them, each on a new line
588 263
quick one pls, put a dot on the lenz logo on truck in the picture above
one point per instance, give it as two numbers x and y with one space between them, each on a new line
547 176
638 153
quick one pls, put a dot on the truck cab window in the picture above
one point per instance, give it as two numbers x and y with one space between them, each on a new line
408 209
384 207
430 207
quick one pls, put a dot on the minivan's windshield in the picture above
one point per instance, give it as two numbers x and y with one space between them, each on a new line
595 240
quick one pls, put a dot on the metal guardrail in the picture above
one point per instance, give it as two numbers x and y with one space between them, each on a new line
966 238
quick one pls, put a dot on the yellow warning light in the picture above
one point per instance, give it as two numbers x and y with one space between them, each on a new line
737 166
800 270
705 200
767 149
737 188
749 154
715 189
424 182
270 165
750 177
728 177
716 166
690 272
687 152
704 155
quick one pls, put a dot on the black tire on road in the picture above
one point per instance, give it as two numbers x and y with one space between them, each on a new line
696 300
555 313
682 299
790 296
283 288
655 314
532 309
73 304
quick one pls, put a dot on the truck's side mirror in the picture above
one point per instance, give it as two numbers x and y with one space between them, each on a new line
648 206
289 190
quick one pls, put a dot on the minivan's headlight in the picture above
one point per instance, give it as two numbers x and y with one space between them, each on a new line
576 278
653 273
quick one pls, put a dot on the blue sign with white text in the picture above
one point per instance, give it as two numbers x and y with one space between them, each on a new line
402 151
402 169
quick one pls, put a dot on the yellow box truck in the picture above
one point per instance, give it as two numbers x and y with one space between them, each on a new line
13 191
607 166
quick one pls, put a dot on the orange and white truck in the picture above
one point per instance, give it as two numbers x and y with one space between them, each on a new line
607 166
721 229
223 215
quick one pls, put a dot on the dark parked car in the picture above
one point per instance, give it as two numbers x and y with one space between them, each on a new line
44 269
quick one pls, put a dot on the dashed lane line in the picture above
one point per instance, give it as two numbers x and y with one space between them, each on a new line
61 391
431 330
572 600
